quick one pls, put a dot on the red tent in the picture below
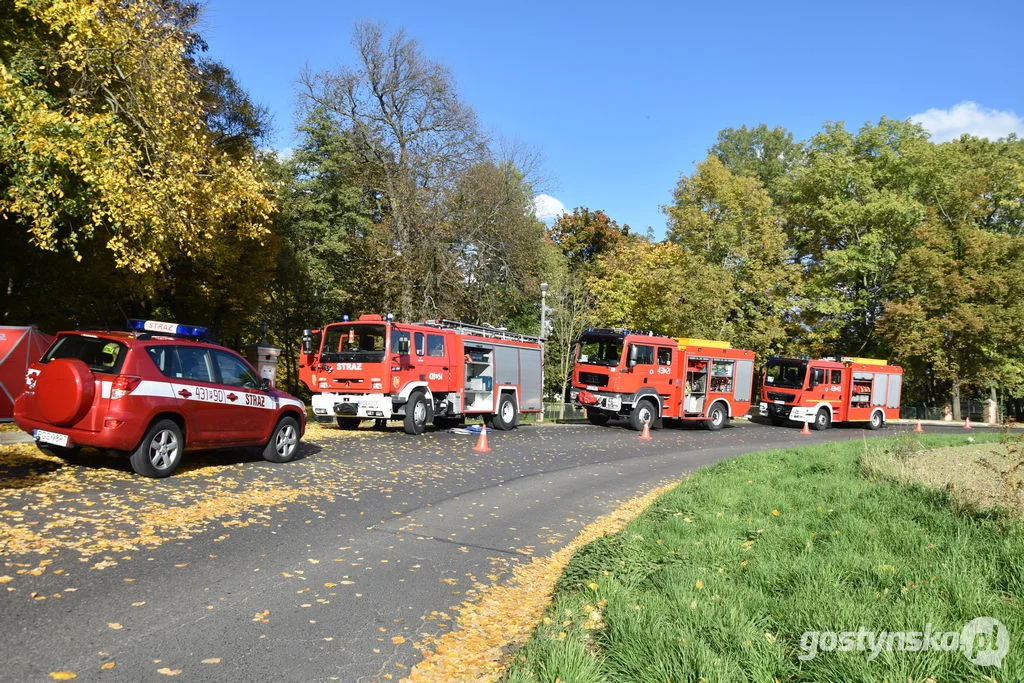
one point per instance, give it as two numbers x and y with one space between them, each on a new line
19 346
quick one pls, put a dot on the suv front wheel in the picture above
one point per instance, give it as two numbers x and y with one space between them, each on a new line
160 452
284 443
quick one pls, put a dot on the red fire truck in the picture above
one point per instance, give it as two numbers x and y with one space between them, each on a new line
646 377
828 390
441 371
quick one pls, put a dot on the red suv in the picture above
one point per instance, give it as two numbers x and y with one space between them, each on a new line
153 393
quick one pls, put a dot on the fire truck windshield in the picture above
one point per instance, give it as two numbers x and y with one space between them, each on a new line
599 350
355 343
785 373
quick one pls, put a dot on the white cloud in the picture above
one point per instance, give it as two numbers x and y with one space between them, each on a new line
968 117
547 207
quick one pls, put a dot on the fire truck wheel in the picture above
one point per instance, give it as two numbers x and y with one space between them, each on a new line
597 417
643 412
822 420
717 418
348 422
507 414
417 413
876 421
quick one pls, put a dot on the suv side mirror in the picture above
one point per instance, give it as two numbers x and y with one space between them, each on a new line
265 384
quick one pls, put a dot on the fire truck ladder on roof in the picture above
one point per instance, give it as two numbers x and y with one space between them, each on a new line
482 330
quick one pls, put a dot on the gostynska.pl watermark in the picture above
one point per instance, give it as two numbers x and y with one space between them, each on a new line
983 641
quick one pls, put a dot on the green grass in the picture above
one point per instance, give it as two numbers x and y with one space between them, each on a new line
720 578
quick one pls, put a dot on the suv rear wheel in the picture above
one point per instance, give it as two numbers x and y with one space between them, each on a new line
160 452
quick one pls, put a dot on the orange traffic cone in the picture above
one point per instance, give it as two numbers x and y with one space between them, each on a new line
806 429
918 427
967 423
481 443
645 435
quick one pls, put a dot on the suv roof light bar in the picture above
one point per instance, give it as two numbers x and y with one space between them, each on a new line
174 329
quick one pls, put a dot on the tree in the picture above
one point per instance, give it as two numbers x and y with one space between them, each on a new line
729 223
663 288
404 117
851 212
496 248
956 319
106 139
584 234
768 154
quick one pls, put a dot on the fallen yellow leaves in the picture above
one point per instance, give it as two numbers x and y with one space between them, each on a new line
63 675
262 616
168 672
508 613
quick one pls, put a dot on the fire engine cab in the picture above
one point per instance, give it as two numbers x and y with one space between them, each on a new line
822 392
646 377
439 371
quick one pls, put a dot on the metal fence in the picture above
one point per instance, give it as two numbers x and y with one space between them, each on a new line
556 412
975 410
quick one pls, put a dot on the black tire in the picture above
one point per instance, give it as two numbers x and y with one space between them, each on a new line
597 417
876 421
508 413
717 418
284 442
348 422
159 453
643 411
418 413
822 421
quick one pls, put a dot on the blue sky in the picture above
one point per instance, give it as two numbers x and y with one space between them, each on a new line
621 98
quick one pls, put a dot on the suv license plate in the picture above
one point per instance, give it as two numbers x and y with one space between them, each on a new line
51 437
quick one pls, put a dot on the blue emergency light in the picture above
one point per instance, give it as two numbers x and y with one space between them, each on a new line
168 328
345 318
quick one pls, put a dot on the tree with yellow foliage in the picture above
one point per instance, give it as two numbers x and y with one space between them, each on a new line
105 146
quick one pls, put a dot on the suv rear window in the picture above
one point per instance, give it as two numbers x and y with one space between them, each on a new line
101 355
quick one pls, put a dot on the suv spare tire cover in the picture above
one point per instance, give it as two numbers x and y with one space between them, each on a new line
64 390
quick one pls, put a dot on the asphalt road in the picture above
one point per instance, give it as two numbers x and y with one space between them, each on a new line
327 568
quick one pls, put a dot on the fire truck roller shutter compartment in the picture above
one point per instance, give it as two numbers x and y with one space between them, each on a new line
895 386
744 380
530 398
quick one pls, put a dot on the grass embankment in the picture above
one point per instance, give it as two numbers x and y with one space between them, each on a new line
721 578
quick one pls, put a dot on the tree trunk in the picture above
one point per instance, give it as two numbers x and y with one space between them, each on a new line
955 398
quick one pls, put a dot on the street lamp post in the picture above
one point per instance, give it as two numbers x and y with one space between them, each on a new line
543 333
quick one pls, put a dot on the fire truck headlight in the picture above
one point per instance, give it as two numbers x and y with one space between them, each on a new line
378 386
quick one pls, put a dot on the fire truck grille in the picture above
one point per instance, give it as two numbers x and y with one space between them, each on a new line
593 379
780 396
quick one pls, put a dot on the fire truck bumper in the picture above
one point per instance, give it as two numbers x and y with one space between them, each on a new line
784 412
327 406
592 399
